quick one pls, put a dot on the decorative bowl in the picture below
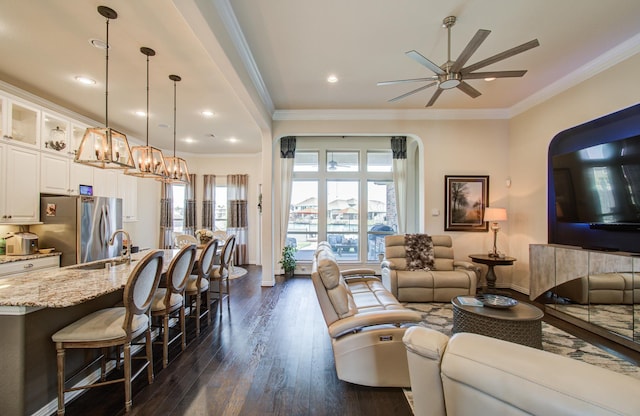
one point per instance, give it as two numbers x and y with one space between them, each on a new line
497 301
46 250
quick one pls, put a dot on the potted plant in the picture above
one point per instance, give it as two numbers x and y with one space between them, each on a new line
288 260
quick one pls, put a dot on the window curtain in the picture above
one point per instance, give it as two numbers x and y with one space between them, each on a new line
399 149
237 215
287 156
190 206
209 203
166 216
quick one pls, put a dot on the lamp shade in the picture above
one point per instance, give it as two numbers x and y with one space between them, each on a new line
495 214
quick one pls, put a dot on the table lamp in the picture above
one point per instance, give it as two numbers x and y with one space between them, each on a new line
493 215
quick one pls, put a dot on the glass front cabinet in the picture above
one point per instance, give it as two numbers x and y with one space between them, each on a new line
21 123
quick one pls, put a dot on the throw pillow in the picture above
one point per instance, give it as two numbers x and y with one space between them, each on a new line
419 252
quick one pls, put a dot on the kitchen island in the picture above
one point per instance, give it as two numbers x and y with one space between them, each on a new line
33 306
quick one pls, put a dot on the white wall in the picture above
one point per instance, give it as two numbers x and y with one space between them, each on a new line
223 165
450 147
529 136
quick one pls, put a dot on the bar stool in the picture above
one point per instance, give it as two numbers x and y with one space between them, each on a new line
197 284
113 327
220 276
167 301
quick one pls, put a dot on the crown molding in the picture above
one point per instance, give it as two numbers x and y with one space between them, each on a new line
603 62
409 114
230 21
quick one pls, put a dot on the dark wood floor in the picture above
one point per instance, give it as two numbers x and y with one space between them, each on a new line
269 354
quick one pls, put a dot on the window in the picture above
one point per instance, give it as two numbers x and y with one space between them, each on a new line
344 196
178 207
221 207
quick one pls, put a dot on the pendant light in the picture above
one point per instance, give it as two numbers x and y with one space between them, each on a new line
148 159
104 147
176 166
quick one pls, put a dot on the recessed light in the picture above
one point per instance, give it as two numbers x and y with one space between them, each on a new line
490 79
188 140
207 113
140 113
85 80
232 140
97 43
332 79
163 125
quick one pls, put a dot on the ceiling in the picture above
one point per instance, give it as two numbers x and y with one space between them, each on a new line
251 60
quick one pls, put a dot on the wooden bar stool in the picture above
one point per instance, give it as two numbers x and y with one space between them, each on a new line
170 300
113 327
197 284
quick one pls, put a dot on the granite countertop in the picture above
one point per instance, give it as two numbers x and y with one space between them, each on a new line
68 286
10 259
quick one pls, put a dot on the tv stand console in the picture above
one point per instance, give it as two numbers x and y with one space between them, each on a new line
593 289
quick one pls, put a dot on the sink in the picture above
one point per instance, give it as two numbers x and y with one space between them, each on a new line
98 265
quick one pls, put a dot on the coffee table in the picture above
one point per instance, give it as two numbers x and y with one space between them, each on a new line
521 324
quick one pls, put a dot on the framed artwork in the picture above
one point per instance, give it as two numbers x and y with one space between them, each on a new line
465 199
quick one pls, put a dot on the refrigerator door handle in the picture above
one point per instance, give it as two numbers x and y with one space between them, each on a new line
107 222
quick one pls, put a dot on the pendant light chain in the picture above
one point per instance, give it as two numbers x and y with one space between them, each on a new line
147 99
106 88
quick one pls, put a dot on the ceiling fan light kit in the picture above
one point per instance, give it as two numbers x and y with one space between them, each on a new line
452 74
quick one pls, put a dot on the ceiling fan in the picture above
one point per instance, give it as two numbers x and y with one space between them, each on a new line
333 164
453 74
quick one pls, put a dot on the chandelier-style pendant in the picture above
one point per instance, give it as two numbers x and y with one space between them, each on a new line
149 160
176 166
104 147
177 170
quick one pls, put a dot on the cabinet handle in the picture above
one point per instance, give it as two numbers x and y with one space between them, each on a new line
28 266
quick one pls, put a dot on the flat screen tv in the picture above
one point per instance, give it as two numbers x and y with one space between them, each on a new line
599 185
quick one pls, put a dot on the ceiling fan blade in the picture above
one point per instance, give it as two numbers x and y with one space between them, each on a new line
468 89
469 50
502 55
424 87
434 97
402 81
416 56
495 74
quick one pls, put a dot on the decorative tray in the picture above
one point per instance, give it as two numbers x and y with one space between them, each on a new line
497 301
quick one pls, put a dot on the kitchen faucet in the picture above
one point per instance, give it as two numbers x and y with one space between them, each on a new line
127 252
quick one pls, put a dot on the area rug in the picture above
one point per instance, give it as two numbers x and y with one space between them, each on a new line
237 272
439 316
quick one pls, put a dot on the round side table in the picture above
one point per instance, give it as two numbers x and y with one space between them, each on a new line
491 262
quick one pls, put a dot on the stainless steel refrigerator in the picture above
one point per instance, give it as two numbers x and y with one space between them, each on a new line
80 227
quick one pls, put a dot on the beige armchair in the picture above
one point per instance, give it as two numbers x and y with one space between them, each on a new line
446 279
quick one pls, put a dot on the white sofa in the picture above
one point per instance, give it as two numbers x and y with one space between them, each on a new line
365 323
470 374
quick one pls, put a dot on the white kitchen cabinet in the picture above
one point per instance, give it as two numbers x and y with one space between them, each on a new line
13 268
54 134
77 133
54 174
128 191
22 124
79 174
20 174
61 175
105 182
